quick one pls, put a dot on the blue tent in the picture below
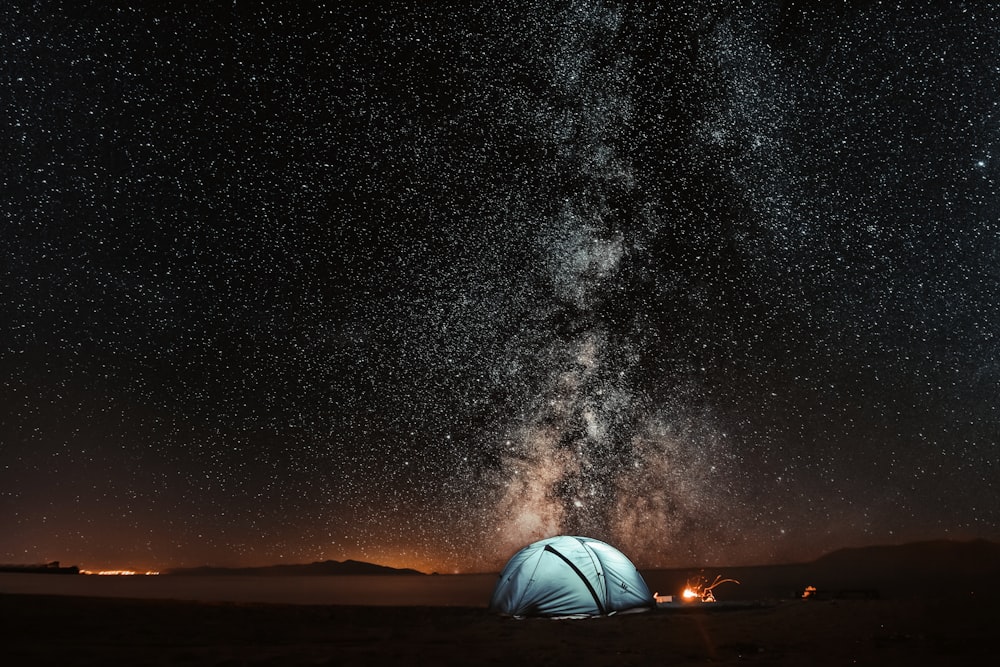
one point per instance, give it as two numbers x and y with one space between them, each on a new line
569 576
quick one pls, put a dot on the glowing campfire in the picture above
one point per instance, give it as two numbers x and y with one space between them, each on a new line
699 589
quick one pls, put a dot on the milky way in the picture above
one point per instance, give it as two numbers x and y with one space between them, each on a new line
591 438
417 284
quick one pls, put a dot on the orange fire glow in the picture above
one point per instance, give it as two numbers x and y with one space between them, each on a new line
118 573
700 589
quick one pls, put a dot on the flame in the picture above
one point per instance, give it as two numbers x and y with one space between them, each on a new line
699 589
118 573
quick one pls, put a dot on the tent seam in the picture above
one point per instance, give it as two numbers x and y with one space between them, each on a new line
599 566
531 580
597 600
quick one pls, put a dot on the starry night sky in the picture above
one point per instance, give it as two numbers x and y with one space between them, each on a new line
418 283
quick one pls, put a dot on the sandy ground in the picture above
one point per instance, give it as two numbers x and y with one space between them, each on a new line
55 630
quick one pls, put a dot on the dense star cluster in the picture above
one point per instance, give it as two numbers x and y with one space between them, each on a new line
418 283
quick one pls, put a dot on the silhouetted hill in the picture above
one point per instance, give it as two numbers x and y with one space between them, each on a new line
327 567
978 555
940 567
41 568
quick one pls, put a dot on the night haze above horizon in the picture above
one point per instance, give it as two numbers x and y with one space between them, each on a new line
417 284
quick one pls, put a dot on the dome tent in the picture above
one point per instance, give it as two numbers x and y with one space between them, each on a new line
569 576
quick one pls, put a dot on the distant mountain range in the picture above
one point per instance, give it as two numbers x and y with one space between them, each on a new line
320 568
903 565
974 555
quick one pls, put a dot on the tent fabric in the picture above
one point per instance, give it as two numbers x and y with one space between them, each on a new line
569 576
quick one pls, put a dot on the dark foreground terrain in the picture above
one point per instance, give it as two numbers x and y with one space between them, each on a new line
954 629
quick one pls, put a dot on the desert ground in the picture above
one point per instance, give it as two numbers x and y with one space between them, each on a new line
956 629
935 603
